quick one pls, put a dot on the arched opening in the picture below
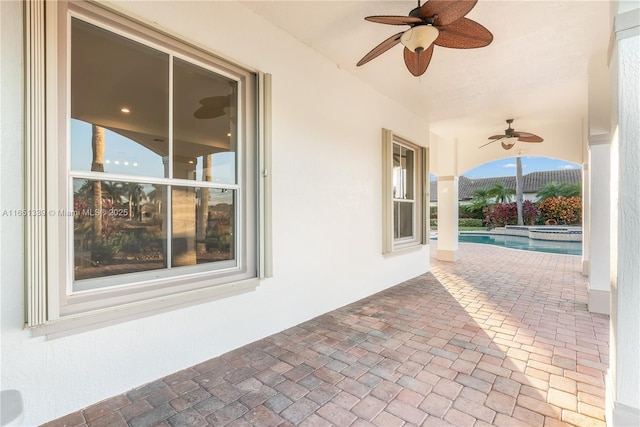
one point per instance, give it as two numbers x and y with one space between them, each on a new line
529 191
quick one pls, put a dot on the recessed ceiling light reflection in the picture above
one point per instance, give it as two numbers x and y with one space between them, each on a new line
229 134
107 161
135 164
117 162
125 110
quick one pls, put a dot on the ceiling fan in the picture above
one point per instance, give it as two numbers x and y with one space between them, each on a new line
212 107
510 137
437 22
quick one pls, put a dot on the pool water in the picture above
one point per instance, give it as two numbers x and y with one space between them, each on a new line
517 242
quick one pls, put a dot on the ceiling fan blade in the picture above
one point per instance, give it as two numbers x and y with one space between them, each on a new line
394 20
381 48
497 137
417 63
208 112
447 11
507 147
212 107
532 138
492 140
518 134
464 34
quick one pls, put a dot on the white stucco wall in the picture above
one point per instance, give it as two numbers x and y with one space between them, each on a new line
623 382
326 218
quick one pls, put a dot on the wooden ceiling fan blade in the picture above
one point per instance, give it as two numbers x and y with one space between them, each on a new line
464 34
381 48
492 140
394 20
417 63
212 107
532 138
208 113
497 137
518 134
447 11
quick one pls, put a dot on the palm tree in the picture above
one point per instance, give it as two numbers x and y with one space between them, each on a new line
555 189
500 193
481 199
112 191
134 193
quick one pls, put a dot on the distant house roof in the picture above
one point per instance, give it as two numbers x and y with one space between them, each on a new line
532 182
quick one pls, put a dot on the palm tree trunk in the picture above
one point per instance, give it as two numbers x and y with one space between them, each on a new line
519 189
203 208
97 165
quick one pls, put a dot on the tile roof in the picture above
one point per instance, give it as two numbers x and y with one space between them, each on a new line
532 182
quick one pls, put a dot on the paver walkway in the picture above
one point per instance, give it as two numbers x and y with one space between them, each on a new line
501 337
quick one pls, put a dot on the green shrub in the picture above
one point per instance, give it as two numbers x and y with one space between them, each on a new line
470 222
462 222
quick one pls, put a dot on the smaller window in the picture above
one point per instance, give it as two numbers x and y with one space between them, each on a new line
404 204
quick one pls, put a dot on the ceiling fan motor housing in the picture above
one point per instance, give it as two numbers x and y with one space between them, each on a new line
509 132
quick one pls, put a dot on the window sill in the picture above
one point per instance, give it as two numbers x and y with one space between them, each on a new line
74 324
404 250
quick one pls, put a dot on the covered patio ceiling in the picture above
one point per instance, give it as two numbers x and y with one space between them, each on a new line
535 71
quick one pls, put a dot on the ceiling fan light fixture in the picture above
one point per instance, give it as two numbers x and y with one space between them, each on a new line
419 38
510 142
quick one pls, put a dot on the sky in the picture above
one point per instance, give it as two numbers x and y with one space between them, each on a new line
507 167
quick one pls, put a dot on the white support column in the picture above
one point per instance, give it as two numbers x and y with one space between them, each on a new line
623 379
599 220
447 218
586 219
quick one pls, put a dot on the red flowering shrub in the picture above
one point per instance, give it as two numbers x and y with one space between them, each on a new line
502 214
565 210
529 212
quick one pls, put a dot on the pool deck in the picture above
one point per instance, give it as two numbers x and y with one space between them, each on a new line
500 337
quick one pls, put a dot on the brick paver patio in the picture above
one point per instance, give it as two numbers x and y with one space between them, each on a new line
501 337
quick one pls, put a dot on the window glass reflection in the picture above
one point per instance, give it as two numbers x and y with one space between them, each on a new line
118 228
205 130
403 220
120 155
203 224
119 104
403 170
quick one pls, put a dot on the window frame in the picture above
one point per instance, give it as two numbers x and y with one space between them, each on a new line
390 243
52 308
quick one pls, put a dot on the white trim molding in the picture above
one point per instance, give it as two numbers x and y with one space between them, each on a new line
35 164
600 139
625 416
599 301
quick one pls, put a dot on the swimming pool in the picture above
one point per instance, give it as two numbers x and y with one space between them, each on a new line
517 242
